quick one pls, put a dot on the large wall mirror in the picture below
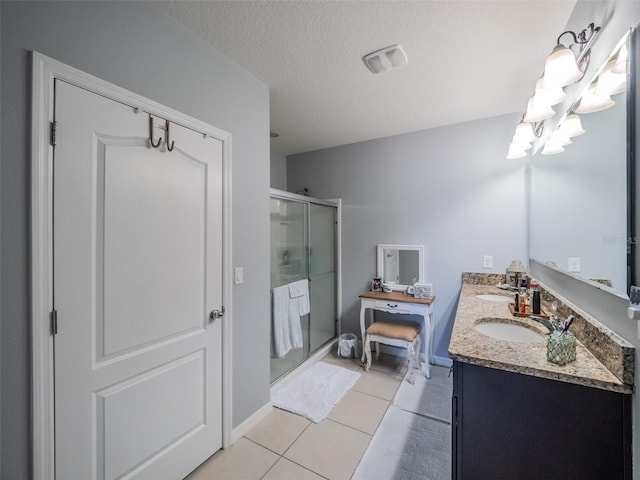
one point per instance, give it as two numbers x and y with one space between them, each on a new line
580 203
400 265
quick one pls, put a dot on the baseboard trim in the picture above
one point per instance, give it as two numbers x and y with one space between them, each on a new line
443 361
238 432
401 352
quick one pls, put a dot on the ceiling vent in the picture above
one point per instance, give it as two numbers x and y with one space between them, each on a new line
385 59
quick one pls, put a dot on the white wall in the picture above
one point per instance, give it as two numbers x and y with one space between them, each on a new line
278 170
450 189
135 46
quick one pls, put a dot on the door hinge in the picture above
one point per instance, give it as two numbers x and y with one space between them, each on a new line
54 322
54 133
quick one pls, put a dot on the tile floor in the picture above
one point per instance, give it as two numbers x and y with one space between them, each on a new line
287 446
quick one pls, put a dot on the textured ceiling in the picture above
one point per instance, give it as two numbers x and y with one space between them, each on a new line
467 60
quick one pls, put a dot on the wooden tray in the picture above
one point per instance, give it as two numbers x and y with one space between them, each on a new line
542 313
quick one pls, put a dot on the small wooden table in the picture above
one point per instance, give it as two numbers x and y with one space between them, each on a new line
398 302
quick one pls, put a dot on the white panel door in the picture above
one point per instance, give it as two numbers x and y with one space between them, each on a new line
137 268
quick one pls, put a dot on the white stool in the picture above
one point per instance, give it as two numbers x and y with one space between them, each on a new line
397 335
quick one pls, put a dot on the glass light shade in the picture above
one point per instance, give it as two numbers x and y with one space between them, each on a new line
561 68
520 144
552 148
558 138
571 126
622 60
590 102
538 111
515 151
609 82
549 95
524 133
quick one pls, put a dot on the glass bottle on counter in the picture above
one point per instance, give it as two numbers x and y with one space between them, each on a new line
523 297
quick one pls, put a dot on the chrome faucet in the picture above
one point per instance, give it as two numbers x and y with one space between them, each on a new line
552 325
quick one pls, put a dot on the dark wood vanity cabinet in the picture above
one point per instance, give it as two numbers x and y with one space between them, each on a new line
518 427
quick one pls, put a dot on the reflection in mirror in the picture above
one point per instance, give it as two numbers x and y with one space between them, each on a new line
578 198
400 265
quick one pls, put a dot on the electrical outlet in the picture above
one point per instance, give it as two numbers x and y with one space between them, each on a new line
487 261
573 264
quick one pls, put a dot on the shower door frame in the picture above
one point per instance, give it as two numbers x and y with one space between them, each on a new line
274 193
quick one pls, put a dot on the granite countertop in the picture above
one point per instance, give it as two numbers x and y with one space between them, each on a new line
470 346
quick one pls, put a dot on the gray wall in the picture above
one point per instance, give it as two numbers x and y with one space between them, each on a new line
278 170
616 17
450 189
137 47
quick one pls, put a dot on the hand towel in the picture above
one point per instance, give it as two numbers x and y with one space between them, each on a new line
300 290
286 329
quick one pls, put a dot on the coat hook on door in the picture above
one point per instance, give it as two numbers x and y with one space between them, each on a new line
153 144
169 144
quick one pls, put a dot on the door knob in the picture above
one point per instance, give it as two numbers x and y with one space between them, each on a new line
216 314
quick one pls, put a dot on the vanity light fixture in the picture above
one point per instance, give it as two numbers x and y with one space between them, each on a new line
552 148
516 151
560 138
556 143
561 68
549 95
564 66
610 79
526 134
622 60
610 82
571 126
592 102
538 111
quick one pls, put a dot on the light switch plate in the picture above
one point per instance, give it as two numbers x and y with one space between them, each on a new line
487 261
573 264
239 275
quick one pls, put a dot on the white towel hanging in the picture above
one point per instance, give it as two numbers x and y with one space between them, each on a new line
286 329
300 290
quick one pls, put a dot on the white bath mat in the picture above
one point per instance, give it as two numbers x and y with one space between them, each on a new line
427 397
407 447
316 391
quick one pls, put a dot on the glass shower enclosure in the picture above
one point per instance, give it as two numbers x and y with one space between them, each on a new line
304 245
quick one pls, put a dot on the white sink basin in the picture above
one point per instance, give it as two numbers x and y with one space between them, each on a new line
509 332
495 298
